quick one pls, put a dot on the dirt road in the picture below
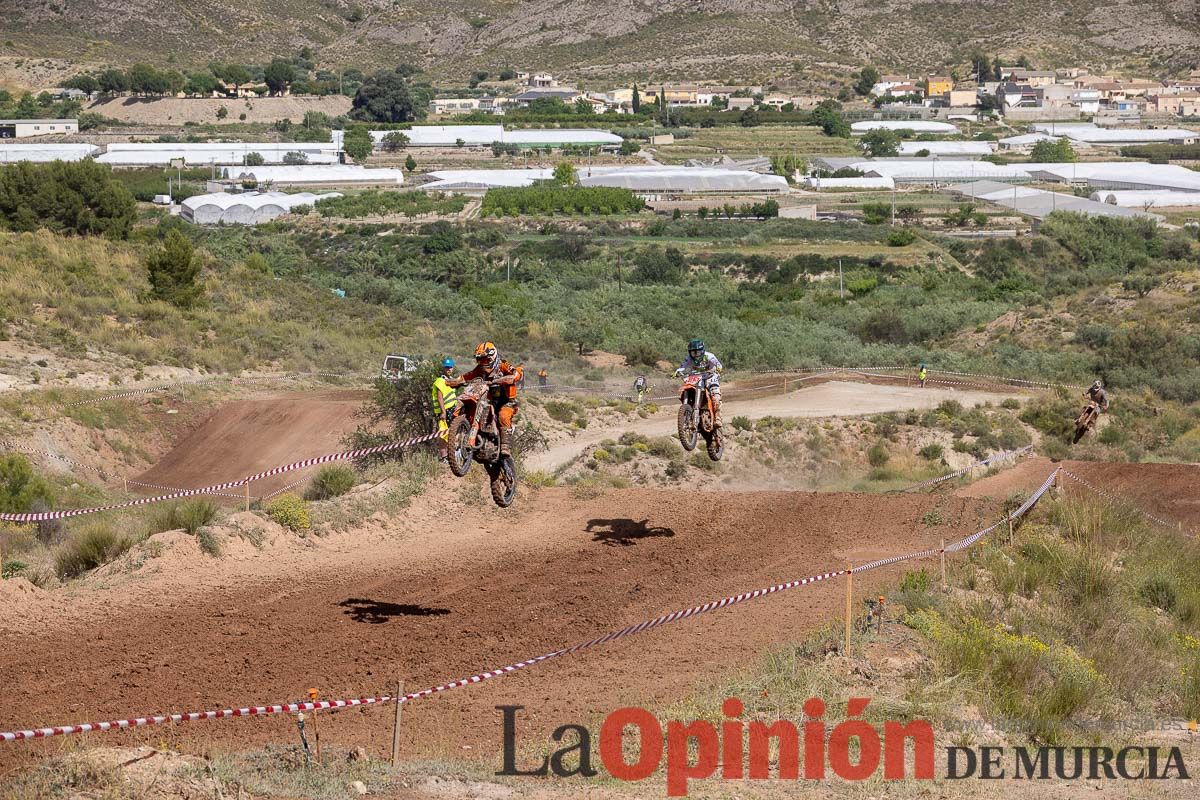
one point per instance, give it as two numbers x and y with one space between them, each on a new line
459 589
835 398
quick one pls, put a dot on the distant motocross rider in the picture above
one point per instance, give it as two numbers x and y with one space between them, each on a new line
700 360
504 379
1097 395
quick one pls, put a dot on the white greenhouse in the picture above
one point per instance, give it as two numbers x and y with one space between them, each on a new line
1148 200
41 153
914 125
249 208
316 175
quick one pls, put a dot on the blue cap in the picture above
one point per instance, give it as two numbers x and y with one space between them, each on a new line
447 363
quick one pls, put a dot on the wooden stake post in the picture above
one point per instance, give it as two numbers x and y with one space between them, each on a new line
312 696
849 605
247 495
942 554
396 727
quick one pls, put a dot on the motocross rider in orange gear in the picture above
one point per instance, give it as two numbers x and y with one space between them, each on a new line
504 378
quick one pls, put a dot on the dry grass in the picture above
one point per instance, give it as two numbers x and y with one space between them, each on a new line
75 295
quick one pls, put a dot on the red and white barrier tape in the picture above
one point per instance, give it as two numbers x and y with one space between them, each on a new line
177 489
1123 501
287 488
983 462
631 630
141 501
18 448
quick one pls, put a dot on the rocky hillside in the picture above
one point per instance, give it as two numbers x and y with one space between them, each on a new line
723 39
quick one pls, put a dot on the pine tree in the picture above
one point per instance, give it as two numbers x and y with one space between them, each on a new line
173 271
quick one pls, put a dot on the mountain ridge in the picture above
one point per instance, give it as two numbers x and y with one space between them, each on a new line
759 40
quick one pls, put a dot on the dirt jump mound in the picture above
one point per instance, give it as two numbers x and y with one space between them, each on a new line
247 436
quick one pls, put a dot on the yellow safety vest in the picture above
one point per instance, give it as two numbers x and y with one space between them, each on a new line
447 393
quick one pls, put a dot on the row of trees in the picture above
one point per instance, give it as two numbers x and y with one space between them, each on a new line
560 199
40 106
275 77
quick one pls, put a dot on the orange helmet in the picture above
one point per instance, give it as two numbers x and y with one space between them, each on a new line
486 355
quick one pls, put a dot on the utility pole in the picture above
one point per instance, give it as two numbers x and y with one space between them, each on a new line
618 272
841 285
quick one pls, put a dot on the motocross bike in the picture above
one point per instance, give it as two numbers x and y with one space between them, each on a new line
697 416
475 436
1086 420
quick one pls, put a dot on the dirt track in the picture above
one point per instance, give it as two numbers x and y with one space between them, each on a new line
246 436
473 589
833 398
1168 490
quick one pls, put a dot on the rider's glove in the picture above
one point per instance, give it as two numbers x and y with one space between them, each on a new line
678 372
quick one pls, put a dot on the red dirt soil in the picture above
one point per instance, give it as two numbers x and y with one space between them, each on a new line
1167 490
247 436
464 592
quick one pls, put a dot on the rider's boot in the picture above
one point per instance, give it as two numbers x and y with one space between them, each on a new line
717 418
506 441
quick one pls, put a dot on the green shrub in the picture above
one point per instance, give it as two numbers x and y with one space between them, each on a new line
66 197
189 516
877 454
332 480
901 237
561 411
20 486
1159 591
14 567
913 592
208 542
90 547
290 511
663 447
932 452
600 454
742 423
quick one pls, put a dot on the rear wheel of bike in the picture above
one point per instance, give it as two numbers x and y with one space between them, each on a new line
715 444
1080 432
687 427
460 455
504 481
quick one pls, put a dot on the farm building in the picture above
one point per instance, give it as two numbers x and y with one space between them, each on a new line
643 180
945 149
850 183
25 128
11 153
1115 137
249 208
319 175
914 125
1038 203
1133 175
686 181
933 170
485 135
136 154
1148 200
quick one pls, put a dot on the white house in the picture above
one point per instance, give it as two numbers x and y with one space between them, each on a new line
24 128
